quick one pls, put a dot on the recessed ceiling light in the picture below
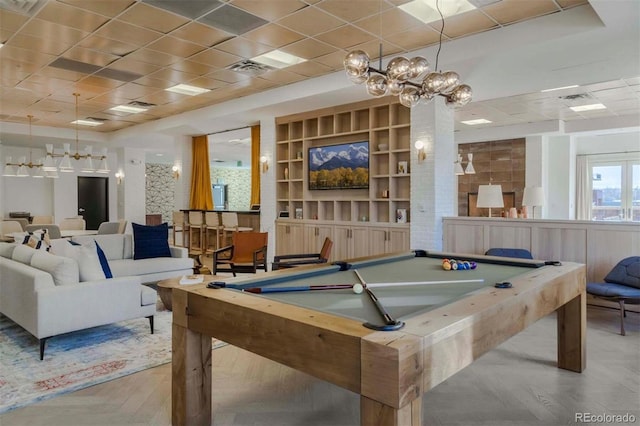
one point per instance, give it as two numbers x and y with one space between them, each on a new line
92 123
560 88
476 121
278 59
427 12
185 89
589 107
129 108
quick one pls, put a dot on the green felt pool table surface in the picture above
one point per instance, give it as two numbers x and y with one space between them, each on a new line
400 301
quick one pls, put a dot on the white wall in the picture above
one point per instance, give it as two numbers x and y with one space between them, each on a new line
49 197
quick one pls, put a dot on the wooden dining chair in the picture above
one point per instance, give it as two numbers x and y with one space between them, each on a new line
247 253
292 260
72 224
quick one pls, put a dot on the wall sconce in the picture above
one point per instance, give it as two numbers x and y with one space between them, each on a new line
420 151
119 177
176 172
264 161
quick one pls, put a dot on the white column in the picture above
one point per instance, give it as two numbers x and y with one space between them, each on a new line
560 192
433 183
134 204
268 184
537 168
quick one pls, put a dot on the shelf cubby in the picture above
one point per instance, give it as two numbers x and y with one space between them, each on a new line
342 123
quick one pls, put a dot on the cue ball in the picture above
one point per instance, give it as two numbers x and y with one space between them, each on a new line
357 288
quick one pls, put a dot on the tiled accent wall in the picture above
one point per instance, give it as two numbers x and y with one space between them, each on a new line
160 188
496 162
239 181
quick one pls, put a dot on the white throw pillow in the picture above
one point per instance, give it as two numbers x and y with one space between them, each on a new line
87 257
63 270
23 254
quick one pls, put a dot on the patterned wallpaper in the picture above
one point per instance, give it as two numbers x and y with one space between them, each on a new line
239 189
160 188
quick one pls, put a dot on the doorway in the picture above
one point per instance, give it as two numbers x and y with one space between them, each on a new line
93 200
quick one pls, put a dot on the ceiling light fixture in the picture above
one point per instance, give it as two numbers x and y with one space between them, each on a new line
559 88
129 108
589 107
476 122
278 59
427 10
398 76
185 89
21 168
65 164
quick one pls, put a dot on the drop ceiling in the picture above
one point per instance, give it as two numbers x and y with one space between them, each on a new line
129 51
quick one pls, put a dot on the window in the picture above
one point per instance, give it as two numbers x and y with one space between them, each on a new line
615 188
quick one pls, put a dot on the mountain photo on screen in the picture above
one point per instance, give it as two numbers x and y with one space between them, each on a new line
343 166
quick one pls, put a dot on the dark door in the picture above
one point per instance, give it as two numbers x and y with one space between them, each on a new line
93 200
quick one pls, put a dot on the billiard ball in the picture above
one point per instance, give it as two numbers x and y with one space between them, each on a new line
358 288
446 266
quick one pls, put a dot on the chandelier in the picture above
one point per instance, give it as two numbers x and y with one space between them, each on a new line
410 79
65 164
21 168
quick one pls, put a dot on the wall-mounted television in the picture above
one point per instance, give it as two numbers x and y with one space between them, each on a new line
340 166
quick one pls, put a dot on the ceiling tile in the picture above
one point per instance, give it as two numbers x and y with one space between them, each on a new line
154 57
215 58
273 35
192 9
101 82
47 45
206 83
414 38
198 33
269 10
372 49
333 60
391 21
75 66
308 48
310 21
108 8
10 21
90 56
242 47
172 75
191 67
310 69
102 44
127 33
228 76
353 10
161 97
118 74
131 65
345 37
508 11
282 76
175 46
45 29
565 4
154 82
152 18
133 91
466 24
232 20
69 16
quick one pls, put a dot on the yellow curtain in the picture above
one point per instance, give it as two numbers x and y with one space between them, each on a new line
200 197
255 164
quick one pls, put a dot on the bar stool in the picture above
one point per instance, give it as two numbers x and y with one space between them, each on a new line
230 225
212 232
179 226
196 232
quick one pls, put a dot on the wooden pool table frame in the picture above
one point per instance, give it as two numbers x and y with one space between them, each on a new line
390 370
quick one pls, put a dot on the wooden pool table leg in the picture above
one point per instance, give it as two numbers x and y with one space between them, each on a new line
572 329
191 378
374 413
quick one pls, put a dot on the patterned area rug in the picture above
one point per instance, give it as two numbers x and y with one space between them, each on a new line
78 360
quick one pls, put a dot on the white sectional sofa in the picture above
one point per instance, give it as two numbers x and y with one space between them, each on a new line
119 249
43 293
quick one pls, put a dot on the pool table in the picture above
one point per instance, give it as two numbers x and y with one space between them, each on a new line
444 324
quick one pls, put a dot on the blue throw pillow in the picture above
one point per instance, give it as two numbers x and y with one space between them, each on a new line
103 262
150 241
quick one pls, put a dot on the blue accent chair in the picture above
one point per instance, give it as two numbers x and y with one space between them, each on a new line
509 252
620 285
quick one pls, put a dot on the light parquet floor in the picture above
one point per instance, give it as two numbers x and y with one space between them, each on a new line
517 384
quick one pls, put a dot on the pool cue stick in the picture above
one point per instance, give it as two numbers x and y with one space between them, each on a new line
260 290
388 319
412 283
